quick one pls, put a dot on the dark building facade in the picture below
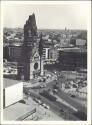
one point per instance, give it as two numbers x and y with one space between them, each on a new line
72 60
29 65
12 53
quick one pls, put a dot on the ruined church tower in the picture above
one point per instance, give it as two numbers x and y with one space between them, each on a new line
30 60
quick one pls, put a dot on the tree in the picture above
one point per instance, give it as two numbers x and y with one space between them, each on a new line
40 50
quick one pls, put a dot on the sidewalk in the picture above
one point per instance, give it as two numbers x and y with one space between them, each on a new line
42 114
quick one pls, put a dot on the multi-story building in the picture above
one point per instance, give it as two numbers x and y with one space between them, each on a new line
53 54
12 52
15 87
80 42
50 55
72 58
45 55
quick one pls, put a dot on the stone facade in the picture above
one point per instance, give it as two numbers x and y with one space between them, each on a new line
30 61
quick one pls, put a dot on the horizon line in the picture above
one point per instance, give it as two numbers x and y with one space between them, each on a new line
49 28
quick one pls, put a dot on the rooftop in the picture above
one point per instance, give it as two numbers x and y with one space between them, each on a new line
17 111
9 82
72 49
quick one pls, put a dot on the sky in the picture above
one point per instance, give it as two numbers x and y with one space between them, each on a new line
48 16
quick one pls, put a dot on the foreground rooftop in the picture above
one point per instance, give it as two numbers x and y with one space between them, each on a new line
18 111
9 82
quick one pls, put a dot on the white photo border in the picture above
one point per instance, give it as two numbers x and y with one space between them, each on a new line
88 122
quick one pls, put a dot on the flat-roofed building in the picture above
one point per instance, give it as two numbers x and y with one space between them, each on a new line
15 52
18 112
45 53
53 54
80 42
12 91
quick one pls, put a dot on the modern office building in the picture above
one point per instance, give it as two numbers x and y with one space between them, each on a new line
45 55
53 54
80 42
12 52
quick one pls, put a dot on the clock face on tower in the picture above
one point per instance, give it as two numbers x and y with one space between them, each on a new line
36 65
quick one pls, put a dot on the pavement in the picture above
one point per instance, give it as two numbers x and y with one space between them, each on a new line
56 107
68 104
17 111
42 113
65 103
35 83
71 101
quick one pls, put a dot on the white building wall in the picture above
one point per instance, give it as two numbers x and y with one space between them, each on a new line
42 69
13 94
80 42
47 53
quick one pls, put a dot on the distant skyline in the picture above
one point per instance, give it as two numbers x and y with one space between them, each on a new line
48 16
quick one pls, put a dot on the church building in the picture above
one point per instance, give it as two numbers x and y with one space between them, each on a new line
29 66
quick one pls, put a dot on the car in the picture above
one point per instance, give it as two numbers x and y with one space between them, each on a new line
22 101
40 80
5 60
37 100
55 90
61 110
43 104
44 79
73 95
42 86
9 71
47 107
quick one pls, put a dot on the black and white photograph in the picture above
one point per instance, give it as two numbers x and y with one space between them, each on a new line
46 61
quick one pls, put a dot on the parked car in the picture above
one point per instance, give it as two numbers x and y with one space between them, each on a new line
42 86
22 101
72 95
47 107
42 80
